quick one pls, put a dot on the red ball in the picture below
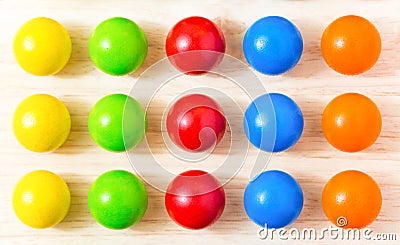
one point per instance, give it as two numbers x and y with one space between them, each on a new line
196 123
199 43
195 199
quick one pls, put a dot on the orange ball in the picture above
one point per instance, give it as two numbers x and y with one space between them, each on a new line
351 45
351 122
351 199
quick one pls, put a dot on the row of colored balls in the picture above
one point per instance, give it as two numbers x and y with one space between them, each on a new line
195 199
272 45
273 122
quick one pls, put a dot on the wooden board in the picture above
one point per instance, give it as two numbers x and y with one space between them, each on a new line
311 84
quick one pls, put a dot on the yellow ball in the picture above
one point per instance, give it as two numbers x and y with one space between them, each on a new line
41 199
42 46
41 123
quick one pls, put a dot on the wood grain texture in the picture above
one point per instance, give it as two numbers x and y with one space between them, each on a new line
311 84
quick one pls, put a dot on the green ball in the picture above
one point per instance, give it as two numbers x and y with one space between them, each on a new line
117 199
118 46
117 122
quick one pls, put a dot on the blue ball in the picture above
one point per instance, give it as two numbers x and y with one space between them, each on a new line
273 200
272 45
273 122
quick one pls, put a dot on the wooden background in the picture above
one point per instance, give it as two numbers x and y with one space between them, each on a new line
311 84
